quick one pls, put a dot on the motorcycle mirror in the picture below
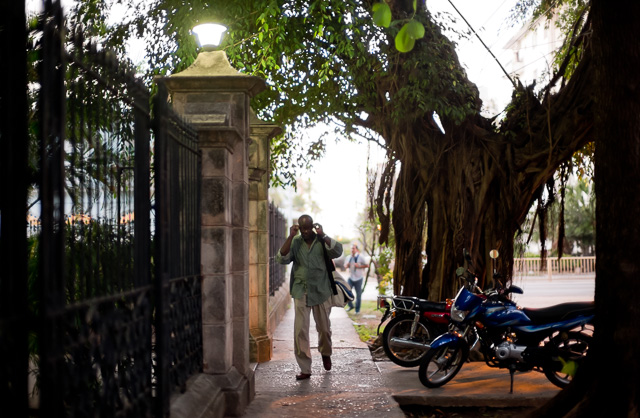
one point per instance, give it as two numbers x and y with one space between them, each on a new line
515 289
460 271
494 254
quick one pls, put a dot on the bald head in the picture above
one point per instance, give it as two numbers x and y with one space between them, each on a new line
306 228
305 220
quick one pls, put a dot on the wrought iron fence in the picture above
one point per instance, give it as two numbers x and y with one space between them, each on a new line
178 291
277 236
96 309
112 334
13 195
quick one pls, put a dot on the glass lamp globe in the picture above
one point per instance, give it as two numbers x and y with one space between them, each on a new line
209 35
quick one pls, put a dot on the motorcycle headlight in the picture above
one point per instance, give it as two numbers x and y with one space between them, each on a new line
458 315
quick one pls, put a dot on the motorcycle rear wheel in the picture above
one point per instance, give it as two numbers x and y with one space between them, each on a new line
400 327
572 346
441 364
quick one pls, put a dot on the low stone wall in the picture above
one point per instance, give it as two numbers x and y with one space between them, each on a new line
278 305
203 398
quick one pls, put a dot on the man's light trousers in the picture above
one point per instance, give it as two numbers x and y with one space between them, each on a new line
301 331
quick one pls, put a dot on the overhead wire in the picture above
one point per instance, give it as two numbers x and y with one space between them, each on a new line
483 44
492 14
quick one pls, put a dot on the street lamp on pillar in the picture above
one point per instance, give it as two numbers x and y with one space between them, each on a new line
199 91
209 35
215 98
211 61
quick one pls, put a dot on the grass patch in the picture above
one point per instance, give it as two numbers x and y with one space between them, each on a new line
365 332
367 307
366 322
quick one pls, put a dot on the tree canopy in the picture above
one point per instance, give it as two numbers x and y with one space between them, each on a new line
327 61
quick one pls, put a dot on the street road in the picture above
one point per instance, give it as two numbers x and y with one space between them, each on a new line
540 291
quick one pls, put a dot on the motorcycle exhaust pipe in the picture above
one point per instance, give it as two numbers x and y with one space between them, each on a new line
404 343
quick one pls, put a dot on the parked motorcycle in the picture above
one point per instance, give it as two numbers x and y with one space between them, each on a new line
552 340
414 324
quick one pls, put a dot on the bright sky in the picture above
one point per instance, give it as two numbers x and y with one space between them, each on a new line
339 185
339 179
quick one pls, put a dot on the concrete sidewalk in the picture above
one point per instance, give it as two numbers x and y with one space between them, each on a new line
354 387
358 386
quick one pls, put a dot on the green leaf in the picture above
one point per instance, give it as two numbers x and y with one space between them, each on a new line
415 29
415 6
404 42
382 14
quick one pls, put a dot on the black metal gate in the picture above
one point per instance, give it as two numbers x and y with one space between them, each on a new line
110 333
277 235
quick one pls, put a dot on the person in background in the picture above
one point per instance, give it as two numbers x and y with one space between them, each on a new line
356 264
310 288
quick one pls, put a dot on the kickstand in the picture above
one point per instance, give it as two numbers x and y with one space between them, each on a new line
512 371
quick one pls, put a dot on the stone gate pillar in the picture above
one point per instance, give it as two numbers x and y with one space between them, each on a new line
259 153
214 97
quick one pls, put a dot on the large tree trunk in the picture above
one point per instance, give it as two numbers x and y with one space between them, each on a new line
476 182
408 223
477 187
608 385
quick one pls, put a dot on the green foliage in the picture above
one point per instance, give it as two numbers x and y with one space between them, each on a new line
325 62
364 332
580 216
582 161
383 269
381 14
384 260
98 261
569 16
406 37
579 219
385 284
411 31
366 329
33 264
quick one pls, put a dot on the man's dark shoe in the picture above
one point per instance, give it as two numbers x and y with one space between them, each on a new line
303 376
326 362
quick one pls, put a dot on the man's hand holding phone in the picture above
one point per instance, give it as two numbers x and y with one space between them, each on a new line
319 231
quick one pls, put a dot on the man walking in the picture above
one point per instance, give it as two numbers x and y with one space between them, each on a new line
310 288
356 265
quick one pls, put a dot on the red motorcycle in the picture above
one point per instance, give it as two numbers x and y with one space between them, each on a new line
414 324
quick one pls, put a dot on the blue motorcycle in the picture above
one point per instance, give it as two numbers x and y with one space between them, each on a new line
552 340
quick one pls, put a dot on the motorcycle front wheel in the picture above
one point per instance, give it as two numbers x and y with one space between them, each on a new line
441 364
572 348
400 328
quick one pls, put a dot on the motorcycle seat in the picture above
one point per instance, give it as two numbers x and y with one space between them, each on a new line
559 312
414 303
